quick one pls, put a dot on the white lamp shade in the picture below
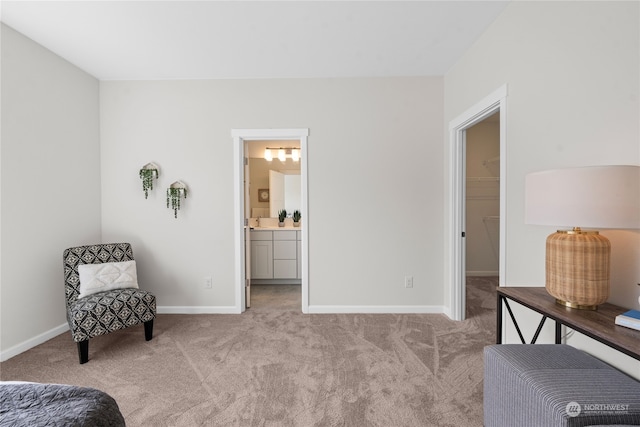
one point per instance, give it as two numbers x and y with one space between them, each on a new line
590 197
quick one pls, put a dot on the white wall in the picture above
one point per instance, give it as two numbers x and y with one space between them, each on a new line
369 141
572 73
50 178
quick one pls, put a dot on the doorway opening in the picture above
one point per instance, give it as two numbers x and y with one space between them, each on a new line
482 212
273 258
493 106
244 139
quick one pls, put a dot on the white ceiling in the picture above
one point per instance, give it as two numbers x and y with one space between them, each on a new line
131 40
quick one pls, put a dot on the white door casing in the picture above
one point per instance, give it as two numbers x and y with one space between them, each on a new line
247 231
240 136
496 101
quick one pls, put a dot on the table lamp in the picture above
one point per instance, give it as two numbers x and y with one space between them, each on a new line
577 260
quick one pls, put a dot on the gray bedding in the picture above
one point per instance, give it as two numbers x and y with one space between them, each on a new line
56 405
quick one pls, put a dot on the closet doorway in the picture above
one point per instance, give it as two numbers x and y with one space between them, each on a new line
492 105
243 138
482 212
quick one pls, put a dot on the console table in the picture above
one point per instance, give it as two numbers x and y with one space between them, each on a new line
598 324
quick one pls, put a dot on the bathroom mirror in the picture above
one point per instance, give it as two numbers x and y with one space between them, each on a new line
284 192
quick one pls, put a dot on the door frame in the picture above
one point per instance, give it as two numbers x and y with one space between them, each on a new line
239 137
496 101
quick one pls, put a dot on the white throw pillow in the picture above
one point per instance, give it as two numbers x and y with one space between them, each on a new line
96 278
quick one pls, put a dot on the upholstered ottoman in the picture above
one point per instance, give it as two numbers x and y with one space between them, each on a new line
545 385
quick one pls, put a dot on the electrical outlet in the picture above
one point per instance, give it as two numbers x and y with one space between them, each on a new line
408 281
208 282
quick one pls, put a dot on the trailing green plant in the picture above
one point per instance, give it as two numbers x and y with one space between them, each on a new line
282 215
296 216
173 197
147 176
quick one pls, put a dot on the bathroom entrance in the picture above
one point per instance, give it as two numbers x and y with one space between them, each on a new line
265 252
273 206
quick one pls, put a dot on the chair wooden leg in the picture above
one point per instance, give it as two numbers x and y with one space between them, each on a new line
148 330
83 351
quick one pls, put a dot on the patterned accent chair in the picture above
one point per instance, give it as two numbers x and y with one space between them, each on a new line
103 312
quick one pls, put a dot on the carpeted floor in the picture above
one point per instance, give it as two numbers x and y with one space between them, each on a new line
273 366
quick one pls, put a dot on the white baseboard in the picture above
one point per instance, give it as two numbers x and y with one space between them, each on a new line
176 309
32 342
482 273
382 309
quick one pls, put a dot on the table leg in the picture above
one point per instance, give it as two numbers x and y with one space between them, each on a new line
540 325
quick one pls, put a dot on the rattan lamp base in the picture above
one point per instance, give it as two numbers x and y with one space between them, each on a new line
577 268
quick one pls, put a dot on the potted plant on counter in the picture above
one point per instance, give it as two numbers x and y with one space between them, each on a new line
296 218
281 216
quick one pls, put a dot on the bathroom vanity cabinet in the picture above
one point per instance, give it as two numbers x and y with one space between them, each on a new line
275 254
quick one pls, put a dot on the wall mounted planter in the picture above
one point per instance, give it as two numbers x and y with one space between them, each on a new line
147 174
175 192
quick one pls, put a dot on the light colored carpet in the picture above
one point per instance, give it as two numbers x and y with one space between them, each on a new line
273 366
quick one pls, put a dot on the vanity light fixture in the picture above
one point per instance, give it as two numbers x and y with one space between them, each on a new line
283 154
267 155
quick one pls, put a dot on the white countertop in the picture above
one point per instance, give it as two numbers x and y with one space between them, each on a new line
276 228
